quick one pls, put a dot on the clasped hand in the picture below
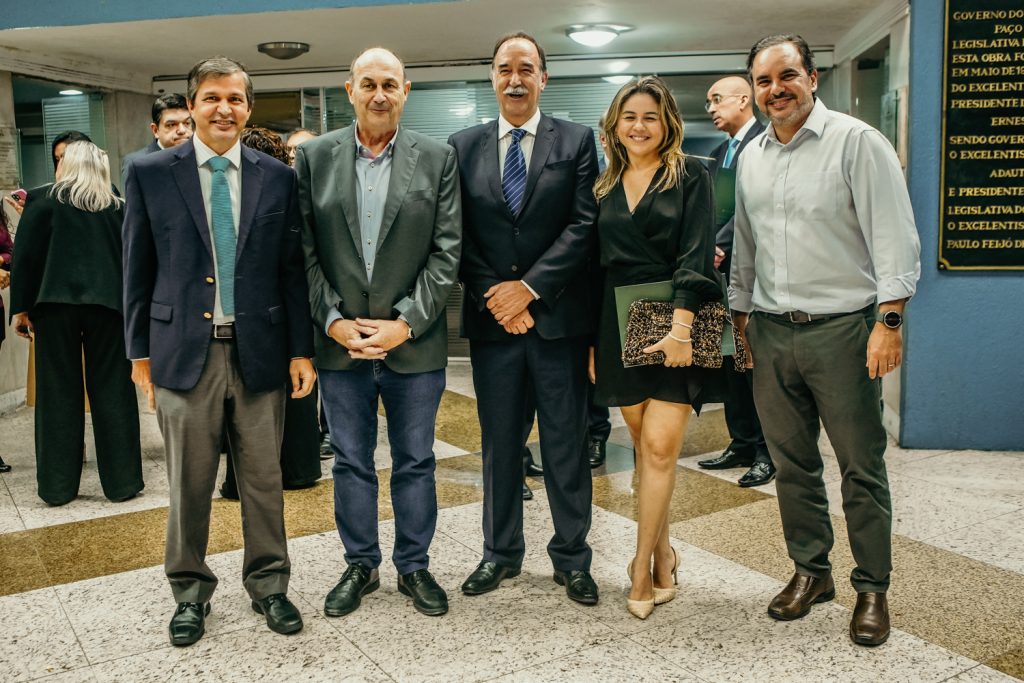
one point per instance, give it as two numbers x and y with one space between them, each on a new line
369 339
677 354
507 299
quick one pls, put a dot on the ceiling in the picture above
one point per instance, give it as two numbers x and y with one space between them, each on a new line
434 33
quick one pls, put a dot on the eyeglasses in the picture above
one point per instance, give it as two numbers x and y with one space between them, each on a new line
716 100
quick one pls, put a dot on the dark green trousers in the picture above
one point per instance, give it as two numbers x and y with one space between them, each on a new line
803 373
62 332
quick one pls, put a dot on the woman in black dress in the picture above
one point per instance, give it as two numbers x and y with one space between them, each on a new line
66 288
655 224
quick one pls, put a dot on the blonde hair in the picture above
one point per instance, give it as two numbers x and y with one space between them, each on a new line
84 181
670 151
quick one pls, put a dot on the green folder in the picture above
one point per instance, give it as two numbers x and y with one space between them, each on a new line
657 291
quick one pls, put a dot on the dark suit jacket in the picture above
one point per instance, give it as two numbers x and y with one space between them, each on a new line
128 159
66 255
547 244
417 250
169 272
723 240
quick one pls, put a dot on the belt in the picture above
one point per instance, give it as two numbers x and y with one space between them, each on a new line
224 331
801 318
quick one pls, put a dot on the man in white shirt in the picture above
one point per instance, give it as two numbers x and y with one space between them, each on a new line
826 254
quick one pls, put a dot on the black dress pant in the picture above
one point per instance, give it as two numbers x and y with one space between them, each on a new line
554 371
62 332
741 414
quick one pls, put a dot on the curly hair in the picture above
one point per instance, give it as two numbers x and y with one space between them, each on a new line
266 141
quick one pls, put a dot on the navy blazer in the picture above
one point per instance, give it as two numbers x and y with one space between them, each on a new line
723 239
547 244
169 272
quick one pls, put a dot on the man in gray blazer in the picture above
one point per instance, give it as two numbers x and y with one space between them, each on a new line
382 238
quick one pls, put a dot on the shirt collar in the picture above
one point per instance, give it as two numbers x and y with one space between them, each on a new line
530 126
204 153
815 123
742 132
363 152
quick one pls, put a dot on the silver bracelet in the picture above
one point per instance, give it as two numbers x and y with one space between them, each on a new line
689 327
681 341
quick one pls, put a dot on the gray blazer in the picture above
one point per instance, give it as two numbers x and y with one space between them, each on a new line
418 248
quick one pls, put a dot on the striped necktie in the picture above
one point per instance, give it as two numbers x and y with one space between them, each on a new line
223 233
730 154
513 179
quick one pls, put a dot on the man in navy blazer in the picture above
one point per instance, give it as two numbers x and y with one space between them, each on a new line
171 126
217 319
528 215
730 103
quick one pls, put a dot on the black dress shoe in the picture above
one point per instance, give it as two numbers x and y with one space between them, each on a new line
727 460
486 577
579 585
298 486
527 493
596 452
427 597
345 597
282 616
759 474
325 447
4 467
229 492
188 623
531 467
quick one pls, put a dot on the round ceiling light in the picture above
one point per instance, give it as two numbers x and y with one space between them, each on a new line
283 49
596 35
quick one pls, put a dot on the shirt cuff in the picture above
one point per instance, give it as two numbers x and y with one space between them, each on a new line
896 288
332 315
536 296
739 301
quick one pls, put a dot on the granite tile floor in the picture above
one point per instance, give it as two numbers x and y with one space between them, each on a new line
73 613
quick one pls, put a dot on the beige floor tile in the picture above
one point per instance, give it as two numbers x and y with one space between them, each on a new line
38 637
998 541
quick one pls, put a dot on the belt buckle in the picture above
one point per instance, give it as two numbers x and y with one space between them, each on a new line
799 317
228 329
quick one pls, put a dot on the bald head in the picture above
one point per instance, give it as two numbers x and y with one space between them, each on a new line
729 102
377 55
377 90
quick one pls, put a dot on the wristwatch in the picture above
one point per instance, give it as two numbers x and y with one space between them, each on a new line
891 319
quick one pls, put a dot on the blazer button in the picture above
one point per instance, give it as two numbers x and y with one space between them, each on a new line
209 280
366 295
208 315
515 269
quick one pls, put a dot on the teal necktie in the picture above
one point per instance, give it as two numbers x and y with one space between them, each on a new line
223 233
730 154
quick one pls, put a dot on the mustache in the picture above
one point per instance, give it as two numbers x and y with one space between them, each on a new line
515 90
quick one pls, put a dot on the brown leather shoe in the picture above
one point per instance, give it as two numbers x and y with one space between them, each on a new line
800 593
870 622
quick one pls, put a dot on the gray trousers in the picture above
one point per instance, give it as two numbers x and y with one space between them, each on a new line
803 373
192 423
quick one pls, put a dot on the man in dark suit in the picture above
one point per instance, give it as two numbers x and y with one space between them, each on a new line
217 318
529 210
171 126
382 236
730 103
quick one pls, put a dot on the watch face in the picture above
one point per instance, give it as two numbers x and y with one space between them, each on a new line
892 319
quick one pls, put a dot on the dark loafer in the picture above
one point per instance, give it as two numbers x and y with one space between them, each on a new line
597 451
345 597
527 493
579 585
530 465
486 577
870 623
427 597
799 595
325 447
758 475
282 616
188 623
727 460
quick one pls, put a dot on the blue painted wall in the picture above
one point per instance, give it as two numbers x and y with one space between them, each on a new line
963 382
80 12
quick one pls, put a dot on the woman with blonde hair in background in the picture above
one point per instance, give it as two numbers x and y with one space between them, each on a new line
66 290
656 223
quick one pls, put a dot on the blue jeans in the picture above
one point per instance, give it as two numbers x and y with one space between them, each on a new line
410 401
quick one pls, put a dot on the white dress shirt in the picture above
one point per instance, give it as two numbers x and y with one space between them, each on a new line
823 223
234 178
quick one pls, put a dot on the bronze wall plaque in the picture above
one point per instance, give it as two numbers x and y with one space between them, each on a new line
982 210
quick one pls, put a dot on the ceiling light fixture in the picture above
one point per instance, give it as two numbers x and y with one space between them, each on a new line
617 67
596 35
617 80
283 49
71 91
